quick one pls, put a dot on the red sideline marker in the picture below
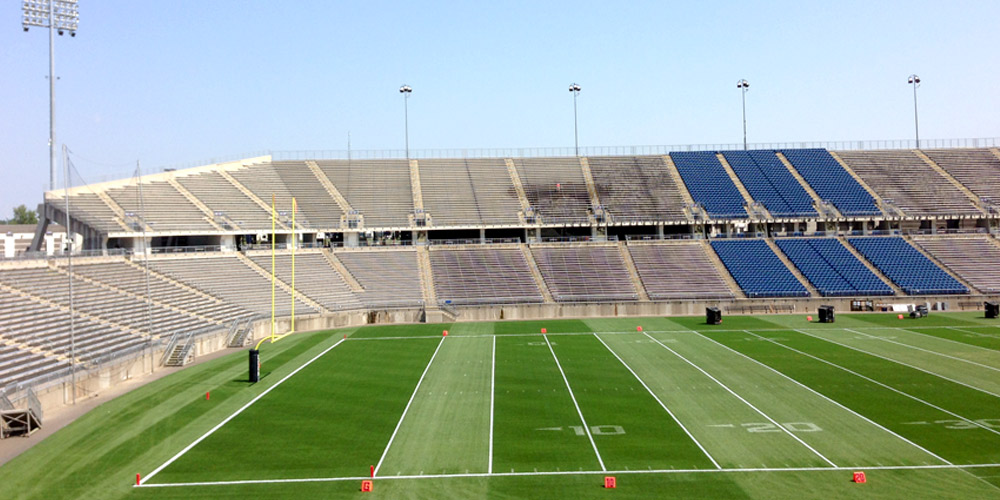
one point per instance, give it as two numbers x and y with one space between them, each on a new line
544 331
138 481
373 467
809 318
859 477
638 328
207 396
366 486
900 316
609 482
444 333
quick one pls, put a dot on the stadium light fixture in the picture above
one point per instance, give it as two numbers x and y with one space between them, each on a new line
58 16
914 80
575 89
406 90
744 86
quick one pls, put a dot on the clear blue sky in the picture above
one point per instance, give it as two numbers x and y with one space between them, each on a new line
169 82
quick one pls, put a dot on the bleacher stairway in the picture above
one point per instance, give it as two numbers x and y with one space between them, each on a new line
21 419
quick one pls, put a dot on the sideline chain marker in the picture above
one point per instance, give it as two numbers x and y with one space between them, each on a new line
859 477
366 486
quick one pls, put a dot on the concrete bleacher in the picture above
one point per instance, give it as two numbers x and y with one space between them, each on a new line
89 208
314 277
678 271
584 273
911 183
390 278
831 182
379 189
229 279
977 169
709 184
483 275
312 199
162 207
221 196
975 260
769 182
757 270
831 268
18 365
468 192
636 188
263 181
907 267
555 188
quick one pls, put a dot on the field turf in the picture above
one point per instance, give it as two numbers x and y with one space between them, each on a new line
758 407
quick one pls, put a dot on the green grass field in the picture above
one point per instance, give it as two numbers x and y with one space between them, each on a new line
758 407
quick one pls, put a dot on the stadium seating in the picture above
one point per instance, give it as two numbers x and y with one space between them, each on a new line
263 181
162 207
314 278
709 185
390 278
468 192
379 189
976 169
975 260
906 266
758 271
555 188
636 188
678 271
311 198
483 275
585 273
831 182
17 365
831 268
89 208
769 182
221 196
913 185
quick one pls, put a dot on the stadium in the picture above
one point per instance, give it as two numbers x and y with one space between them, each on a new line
774 320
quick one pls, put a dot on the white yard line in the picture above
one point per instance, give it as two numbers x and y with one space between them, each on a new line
408 403
237 412
586 428
928 351
963 344
737 396
810 389
893 389
977 334
493 373
572 473
634 374
899 363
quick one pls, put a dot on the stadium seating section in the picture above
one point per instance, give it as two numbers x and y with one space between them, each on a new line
977 169
584 273
907 267
709 184
975 260
678 271
769 182
483 276
831 268
758 271
831 182
636 188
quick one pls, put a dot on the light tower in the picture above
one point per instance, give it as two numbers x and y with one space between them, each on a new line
406 90
914 80
744 86
575 89
58 16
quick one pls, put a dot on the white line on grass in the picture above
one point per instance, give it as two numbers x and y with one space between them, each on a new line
629 368
586 428
977 334
899 363
814 391
572 473
963 344
237 412
893 389
928 351
730 391
408 403
493 372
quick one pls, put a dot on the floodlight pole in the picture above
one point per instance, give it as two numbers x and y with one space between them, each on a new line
744 86
914 80
52 108
68 242
406 90
575 89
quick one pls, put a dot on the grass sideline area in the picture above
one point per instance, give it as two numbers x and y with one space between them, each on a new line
758 407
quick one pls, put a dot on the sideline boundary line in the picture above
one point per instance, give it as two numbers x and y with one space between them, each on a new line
571 473
493 374
730 391
237 412
408 403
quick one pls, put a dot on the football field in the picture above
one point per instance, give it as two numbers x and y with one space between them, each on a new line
754 397
758 407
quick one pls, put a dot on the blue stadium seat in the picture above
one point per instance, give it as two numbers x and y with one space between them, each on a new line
907 267
709 184
769 182
831 182
757 270
831 268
